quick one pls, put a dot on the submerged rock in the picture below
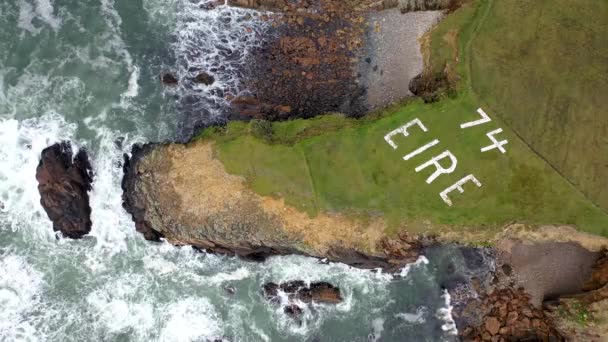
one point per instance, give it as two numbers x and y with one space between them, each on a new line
63 182
318 292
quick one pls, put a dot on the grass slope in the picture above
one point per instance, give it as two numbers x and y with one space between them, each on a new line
336 164
543 66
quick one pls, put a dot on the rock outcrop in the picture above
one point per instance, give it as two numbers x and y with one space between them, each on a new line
318 292
64 181
292 293
182 193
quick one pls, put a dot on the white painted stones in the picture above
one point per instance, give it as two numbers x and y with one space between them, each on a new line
446 162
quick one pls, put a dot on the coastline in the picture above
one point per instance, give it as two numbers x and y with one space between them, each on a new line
480 308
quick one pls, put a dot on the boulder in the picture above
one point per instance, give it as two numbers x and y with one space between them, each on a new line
64 181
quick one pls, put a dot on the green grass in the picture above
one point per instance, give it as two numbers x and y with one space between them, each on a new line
543 67
336 164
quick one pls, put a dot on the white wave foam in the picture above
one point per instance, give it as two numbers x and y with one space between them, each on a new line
20 287
445 315
240 274
414 318
26 15
43 11
191 319
133 89
118 46
112 226
421 261
20 146
117 308
378 328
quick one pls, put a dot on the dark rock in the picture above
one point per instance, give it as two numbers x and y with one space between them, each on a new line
231 290
118 142
293 310
169 79
319 292
133 204
63 182
204 78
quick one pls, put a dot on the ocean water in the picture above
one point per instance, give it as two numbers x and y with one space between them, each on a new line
87 71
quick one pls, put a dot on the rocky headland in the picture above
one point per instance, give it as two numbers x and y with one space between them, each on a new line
183 194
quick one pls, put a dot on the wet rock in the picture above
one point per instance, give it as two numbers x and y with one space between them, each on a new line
211 5
136 205
168 79
318 292
231 290
293 310
204 78
64 181
118 142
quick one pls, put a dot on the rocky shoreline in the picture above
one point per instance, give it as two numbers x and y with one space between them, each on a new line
181 193
500 294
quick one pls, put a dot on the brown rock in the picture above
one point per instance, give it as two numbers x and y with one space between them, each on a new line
64 183
204 78
512 317
492 325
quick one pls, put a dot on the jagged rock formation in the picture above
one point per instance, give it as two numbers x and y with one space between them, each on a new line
298 291
318 292
63 182
183 194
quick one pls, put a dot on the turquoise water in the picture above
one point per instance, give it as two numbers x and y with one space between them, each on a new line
87 71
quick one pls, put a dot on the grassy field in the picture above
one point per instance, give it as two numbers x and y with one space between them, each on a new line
543 66
336 164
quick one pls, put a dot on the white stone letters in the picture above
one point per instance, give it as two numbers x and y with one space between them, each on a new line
403 130
485 118
495 143
458 186
439 170
420 150
440 162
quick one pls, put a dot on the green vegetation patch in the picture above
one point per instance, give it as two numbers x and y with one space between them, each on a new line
336 164
543 67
